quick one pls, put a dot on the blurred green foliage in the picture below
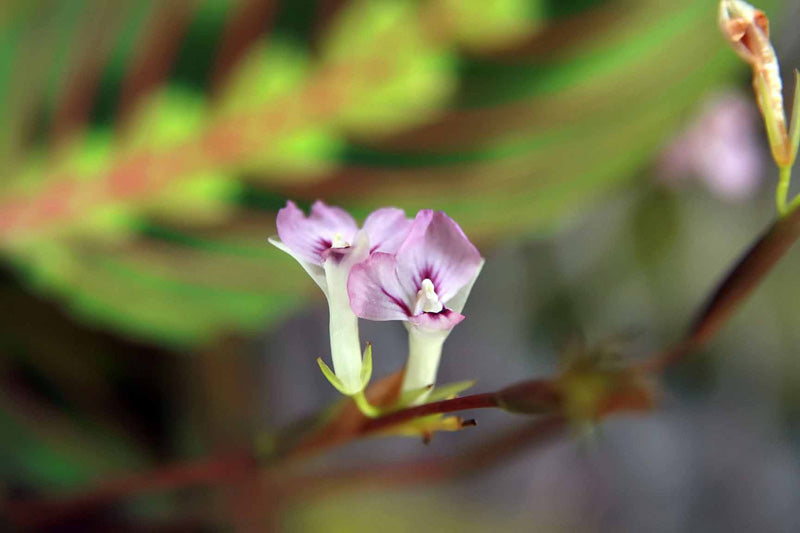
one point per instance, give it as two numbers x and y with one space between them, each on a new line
142 183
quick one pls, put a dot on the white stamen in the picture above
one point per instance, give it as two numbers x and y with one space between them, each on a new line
338 241
427 299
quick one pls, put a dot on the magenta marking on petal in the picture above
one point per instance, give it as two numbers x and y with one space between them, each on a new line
336 254
428 272
437 249
444 320
398 302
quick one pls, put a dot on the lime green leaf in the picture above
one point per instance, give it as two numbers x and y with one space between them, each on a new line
330 376
794 129
366 368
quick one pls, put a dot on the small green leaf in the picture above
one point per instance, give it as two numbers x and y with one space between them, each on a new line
794 127
366 408
336 382
450 390
430 394
411 397
366 367
776 136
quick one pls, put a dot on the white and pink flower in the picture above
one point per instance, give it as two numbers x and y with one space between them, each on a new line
328 243
419 272
721 148
425 284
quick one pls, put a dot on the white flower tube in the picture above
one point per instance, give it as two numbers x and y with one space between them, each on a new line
343 323
327 244
425 284
425 346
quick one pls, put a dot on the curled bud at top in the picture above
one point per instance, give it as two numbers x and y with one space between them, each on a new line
747 30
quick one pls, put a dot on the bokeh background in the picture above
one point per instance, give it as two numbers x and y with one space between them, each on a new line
605 155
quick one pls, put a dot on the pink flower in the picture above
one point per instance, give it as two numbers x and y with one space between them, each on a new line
429 269
425 284
330 232
327 243
721 148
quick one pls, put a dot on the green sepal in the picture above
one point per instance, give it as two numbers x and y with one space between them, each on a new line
336 382
426 426
360 399
450 390
366 367
432 394
410 397
366 408
777 138
794 125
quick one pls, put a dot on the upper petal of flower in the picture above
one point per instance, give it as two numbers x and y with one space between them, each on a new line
375 291
437 249
316 272
457 302
309 237
387 229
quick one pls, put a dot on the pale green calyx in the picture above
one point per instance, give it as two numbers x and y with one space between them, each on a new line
424 354
358 396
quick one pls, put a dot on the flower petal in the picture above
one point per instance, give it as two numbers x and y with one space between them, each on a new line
444 321
375 292
437 249
457 302
315 271
308 237
335 216
387 229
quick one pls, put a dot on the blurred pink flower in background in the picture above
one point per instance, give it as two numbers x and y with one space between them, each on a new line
722 147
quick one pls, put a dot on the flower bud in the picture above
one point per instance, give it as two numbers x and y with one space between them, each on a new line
747 30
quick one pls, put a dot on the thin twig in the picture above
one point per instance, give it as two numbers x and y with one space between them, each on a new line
39 513
474 401
498 449
742 280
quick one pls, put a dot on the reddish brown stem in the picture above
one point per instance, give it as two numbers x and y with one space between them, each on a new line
738 285
40 513
475 401
497 449
532 397
748 274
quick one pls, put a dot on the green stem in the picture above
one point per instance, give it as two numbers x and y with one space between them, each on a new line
782 192
366 408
